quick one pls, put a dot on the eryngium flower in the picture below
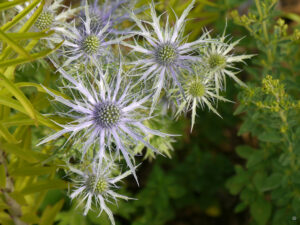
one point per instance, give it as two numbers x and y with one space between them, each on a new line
84 43
109 12
97 184
220 61
104 111
166 52
199 90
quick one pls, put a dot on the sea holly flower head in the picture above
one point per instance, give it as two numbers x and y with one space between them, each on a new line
221 62
85 43
106 114
166 53
108 12
97 184
199 91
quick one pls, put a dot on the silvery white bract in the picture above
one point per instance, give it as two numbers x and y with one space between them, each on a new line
199 91
85 43
219 60
105 112
97 184
165 53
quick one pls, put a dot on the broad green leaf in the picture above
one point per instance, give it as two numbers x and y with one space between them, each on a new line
50 212
29 35
244 151
272 182
8 5
7 135
261 211
15 91
270 136
2 176
255 158
21 60
14 45
44 185
20 16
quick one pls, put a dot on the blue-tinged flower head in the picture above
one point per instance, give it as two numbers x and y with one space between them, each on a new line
84 43
109 12
107 115
199 91
97 184
221 62
166 52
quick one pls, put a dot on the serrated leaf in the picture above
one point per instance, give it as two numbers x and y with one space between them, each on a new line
15 91
15 46
261 211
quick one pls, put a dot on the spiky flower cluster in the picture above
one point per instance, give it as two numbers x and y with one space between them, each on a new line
110 106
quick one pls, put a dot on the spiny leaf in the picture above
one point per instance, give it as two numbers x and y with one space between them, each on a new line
21 60
14 45
15 91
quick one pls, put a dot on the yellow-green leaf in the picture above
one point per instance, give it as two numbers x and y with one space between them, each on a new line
33 18
44 185
21 60
50 212
13 44
32 171
2 176
7 135
15 91
29 35
8 5
20 16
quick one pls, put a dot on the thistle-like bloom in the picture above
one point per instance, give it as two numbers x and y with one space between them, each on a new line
166 53
219 60
97 184
199 90
110 12
106 115
85 43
